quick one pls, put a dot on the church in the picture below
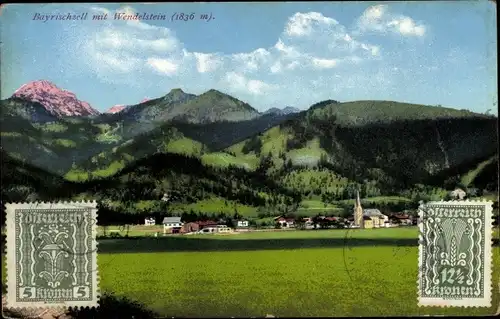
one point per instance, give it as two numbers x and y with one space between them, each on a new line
368 218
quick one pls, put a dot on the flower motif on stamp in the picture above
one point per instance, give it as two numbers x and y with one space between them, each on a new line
455 254
51 255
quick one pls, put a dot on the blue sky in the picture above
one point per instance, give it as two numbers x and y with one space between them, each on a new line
266 54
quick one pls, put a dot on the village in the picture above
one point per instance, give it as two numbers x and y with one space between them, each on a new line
370 218
362 218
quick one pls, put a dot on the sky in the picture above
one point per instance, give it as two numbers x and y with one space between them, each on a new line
266 54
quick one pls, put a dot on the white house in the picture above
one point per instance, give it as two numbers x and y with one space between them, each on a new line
172 224
458 193
149 221
242 223
285 222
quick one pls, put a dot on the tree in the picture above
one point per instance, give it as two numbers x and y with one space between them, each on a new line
316 221
299 222
289 206
236 215
230 222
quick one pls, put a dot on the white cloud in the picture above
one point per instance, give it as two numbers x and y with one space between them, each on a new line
252 61
309 43
378 18
163 66
207 62
407 26
324 63
240 83
302 24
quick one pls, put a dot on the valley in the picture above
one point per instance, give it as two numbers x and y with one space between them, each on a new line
219 156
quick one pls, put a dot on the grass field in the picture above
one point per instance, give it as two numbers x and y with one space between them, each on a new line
284 273
223 160
292 273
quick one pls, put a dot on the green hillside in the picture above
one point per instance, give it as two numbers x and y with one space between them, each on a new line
213 106
395 154
469 178
166 139
27 110
28 131
202 140
210 106
22 182
367 112
136 190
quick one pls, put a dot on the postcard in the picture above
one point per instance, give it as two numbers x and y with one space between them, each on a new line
251 159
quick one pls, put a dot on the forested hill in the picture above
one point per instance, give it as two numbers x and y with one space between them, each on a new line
144 182
23 182
395 154
373 112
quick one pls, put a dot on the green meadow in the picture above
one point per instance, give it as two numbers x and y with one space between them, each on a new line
283 273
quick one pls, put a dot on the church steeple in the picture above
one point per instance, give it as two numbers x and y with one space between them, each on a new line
358 201
358 212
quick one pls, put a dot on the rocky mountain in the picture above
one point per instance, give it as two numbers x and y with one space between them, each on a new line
56 101
290 110
116 109
285 111
273 110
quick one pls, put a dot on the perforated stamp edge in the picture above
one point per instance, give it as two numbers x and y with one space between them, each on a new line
12 304
488 240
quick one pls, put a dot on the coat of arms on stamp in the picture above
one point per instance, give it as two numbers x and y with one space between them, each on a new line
51 255
455 254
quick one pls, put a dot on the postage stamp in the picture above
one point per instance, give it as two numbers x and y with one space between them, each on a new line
52 255
455 254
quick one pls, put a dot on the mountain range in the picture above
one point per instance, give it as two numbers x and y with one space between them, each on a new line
323 154
56 101
119 107
285 111
62 103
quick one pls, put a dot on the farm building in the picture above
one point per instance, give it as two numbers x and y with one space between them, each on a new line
206 224
190 228
285 222
149 221
242 223
401 219
308 222
172 225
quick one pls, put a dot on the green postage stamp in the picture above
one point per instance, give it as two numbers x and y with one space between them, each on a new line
51 255
455 254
